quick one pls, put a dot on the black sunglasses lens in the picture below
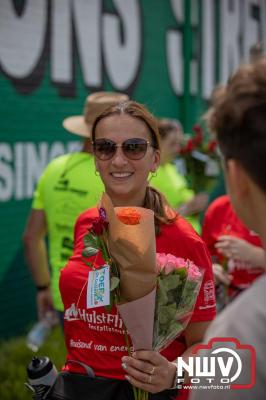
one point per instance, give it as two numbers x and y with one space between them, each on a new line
104 149
135 149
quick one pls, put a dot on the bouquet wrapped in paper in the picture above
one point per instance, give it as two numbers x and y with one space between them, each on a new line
158 292
155 294
179 282
131 244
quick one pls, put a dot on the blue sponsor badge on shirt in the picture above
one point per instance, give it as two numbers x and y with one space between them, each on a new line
98 289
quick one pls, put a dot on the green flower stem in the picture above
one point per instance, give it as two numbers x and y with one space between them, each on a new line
139 394
129 353
114 266
105 252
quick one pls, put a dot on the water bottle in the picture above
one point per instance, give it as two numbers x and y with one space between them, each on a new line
40 331
41 376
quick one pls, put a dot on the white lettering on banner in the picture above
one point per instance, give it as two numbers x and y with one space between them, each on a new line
19 172
61 51
56 150
110 43
97 34
195 56
26 34
252 26
178 9
174 50
208 48
230 35
122 57
6 175
87 21
34 165
22 163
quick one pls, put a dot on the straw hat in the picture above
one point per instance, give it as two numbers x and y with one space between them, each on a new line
95 104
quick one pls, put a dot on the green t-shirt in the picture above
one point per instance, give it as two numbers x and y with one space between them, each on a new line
67 187
174 187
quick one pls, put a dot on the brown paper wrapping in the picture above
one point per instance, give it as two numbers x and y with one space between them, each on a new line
138 317
133 249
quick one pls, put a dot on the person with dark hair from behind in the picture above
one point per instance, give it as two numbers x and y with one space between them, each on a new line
67 187
239 121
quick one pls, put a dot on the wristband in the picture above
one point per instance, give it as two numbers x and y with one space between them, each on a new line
42 288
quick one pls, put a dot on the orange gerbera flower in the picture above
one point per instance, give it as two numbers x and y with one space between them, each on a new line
129 216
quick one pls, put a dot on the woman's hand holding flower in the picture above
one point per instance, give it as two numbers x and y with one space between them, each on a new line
149 370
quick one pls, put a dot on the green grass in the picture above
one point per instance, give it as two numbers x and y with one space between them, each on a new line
14 358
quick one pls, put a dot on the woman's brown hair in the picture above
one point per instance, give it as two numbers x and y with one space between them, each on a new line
154 200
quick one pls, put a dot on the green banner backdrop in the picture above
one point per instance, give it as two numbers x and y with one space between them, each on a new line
53 53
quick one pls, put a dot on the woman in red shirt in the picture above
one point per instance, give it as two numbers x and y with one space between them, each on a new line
126 148
236 251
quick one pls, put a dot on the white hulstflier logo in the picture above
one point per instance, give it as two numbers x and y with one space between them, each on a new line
93 317
71 313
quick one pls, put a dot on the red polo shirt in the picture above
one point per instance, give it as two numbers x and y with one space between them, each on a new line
220 219
96 336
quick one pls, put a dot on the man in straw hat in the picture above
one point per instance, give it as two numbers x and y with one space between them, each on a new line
67 187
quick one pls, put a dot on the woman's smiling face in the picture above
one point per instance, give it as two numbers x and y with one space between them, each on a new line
125 180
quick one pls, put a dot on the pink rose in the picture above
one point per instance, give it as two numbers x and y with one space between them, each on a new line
171 264
182 263
160 261
193 272
167 263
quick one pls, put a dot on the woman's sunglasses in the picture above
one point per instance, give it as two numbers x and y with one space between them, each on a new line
133 149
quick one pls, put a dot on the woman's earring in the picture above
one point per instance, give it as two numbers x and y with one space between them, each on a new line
152 175
97 173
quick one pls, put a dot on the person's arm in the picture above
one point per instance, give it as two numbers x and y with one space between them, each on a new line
221 276
150 371
196 204
233 247
36 256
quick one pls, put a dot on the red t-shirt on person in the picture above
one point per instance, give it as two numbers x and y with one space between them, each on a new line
220 219
96 336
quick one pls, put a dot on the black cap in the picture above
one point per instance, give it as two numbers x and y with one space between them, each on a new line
38 367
